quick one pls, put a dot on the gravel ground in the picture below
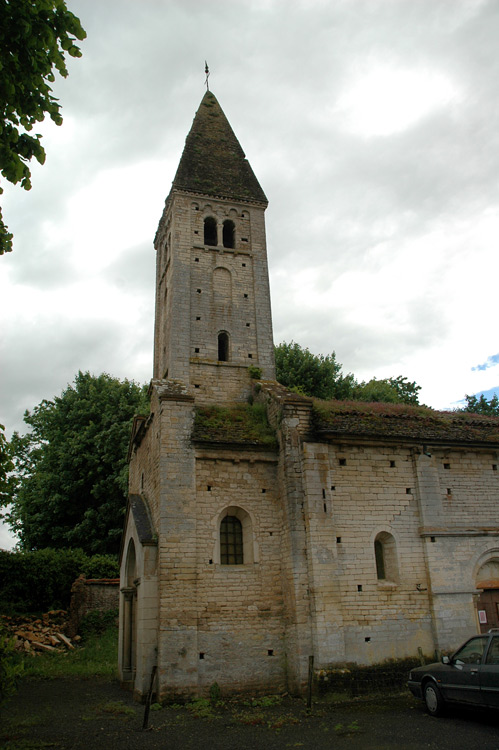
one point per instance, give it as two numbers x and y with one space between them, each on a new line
94 714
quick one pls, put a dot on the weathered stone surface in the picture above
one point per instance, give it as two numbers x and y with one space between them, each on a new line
364 527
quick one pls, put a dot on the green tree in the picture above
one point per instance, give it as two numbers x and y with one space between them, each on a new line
6 467
311 374
480 405
388 390
71 470
34 37
321 376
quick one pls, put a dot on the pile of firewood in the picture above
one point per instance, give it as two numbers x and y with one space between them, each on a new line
33 634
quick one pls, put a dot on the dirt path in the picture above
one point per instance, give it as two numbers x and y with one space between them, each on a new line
95 714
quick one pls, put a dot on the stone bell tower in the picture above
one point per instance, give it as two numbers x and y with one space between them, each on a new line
187 603
213 317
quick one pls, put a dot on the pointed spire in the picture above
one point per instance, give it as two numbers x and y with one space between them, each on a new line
213 162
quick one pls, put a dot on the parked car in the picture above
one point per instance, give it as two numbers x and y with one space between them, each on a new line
470 676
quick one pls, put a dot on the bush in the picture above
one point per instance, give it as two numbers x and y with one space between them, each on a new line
9 670
97 622
40 581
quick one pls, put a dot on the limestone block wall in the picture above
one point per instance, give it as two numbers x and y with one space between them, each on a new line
240 610
355 493
203 290
143 470
220 382
291 419
460 532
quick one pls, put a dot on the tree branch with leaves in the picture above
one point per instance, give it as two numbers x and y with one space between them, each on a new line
34 37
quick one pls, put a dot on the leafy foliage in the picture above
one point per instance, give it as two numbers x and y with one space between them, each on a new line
311 374
476 405
321 377
10 670
388 390
6 467
40 581
34 37
98 621
71 470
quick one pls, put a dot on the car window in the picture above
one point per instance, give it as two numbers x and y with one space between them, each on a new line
493 652
471 652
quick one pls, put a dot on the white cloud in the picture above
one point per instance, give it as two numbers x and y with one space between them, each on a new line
383 98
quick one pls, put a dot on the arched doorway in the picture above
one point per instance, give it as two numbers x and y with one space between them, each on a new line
488 600
129 607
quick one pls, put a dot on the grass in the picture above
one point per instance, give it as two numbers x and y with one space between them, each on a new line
96 657
239 424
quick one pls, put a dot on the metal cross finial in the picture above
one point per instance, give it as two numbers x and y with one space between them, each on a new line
207 71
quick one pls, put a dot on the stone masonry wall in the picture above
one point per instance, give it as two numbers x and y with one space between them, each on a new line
228 291
240 614
91 595
355 493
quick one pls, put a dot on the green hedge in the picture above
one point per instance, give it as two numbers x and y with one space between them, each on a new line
40 581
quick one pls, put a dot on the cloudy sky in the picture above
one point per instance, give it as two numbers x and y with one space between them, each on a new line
373 128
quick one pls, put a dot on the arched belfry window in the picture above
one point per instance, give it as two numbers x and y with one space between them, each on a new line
231 541
229 234
223 346
210 231
385 555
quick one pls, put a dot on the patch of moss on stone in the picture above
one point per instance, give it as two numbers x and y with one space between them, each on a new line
243 424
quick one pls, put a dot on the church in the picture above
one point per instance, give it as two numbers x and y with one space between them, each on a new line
264 527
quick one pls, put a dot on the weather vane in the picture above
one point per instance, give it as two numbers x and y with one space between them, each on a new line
207 71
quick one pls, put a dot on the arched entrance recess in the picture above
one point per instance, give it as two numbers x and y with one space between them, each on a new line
488 600
129 606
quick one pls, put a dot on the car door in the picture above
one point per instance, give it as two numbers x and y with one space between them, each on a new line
461 683
489 674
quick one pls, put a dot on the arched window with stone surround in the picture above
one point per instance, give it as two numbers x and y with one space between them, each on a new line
229 234
223 346
236 545
231 541
210 231
385 555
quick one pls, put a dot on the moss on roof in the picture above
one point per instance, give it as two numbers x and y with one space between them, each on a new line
402 422
242 424
213 162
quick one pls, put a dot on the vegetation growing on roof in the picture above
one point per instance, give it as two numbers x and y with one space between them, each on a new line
244 423
403 421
